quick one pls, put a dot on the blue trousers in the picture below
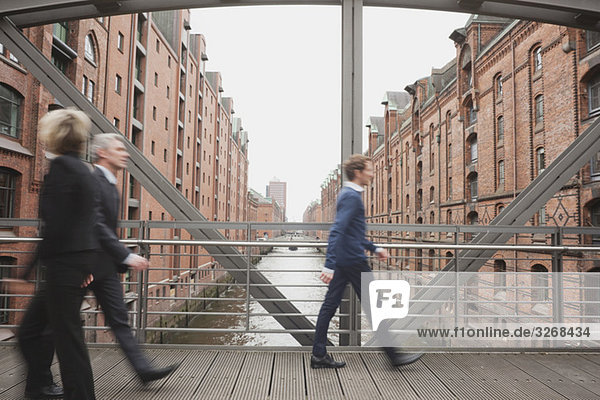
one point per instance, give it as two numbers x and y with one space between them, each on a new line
333 298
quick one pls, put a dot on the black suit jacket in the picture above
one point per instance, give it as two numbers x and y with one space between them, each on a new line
112 252
68 211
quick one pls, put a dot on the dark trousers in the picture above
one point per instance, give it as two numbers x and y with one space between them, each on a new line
109 293
36 342
56 309
333 299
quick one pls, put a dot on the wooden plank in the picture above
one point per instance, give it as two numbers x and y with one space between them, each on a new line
390 382
504 377
321 383
424 382
582 363
557 363
455 379
136 389
222 376
185 381
548 377
287 382
355 378
255 377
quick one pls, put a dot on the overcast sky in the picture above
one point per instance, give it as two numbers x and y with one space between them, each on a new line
282 66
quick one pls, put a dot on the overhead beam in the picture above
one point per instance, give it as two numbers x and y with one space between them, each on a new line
155 183
583 14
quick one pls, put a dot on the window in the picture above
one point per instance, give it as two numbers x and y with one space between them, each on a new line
539 110
165 155
539 283
595 166
90 53
431 194
169 61
472 179
118 82
154 113
540 160
168 92
116 122
152 146
499 86
449 188
157 46
7 192
61 31
448 122
500 128
537 59
449 153
501 175
156 79
167 123
473 149
541 217
120 41
12 57
11 111
592 39
88 88
471 115
594 94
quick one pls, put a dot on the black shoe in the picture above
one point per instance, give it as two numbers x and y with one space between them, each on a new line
154 374
325 362
399 359
46 392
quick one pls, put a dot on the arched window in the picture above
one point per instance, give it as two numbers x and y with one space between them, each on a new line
594 94
471 113
540 160
431 194
431 152
537 59
8 181
539 283
472 219
472 181
500 275
448 122
419 200
472 145
449 217
592 39
419 172
431 260
11 111
467 74
407 202
449 257
539 111
6 268
90 49
449 153
500 129
499 86
501 175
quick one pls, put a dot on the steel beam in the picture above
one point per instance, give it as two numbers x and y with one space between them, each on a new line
352 11
576 13
152 180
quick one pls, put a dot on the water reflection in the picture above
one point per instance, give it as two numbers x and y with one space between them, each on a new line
274 266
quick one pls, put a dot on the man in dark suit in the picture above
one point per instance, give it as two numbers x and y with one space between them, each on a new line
110 157
346 259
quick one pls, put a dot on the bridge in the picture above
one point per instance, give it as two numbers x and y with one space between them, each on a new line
465 258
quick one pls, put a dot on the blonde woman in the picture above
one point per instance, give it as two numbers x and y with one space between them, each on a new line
68 213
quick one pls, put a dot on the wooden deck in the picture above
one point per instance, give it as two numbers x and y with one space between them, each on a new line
224 374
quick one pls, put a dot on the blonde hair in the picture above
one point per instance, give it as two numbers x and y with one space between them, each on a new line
64 131
356 162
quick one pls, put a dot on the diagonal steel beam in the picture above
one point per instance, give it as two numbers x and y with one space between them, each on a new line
154 182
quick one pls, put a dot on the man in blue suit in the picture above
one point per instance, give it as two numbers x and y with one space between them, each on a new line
346 259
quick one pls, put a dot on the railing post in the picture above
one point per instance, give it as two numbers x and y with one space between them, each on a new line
248 263
456 290
557 279
142 307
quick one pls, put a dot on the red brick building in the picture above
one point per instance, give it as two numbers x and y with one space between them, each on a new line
147 74
264 209
467 139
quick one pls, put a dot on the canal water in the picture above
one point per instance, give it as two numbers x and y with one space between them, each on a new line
274 266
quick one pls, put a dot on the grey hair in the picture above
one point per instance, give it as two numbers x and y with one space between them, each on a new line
103 141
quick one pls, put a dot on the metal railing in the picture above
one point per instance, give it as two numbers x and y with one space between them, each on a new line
188 297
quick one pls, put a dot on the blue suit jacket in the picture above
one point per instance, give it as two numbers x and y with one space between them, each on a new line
347 241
